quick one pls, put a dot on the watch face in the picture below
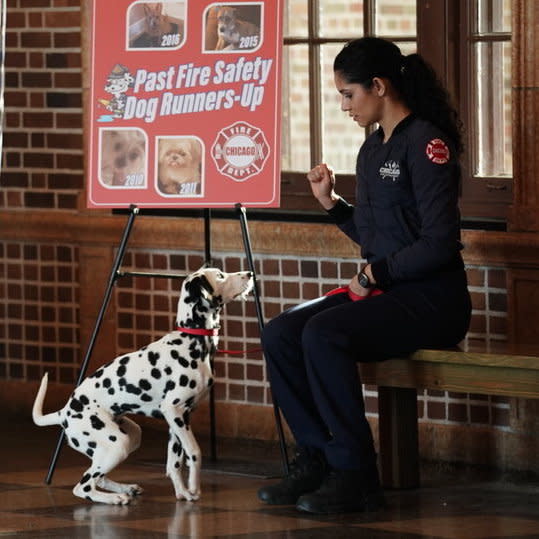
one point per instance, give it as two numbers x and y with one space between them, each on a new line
364 280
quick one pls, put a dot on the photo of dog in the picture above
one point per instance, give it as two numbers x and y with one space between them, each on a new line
123 158
233 27
156 24
179 163
165 379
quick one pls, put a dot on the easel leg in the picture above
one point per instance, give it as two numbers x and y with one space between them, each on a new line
260 316
208 263
106 298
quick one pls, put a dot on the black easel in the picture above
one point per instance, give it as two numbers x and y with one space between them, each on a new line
116 274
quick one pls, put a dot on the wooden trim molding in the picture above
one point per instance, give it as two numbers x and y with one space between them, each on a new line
503 249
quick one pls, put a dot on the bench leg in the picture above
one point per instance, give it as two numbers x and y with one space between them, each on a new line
399 444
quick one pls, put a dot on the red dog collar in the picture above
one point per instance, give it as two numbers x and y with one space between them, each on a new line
199 331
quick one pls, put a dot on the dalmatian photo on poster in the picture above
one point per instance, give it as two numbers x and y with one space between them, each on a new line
184 104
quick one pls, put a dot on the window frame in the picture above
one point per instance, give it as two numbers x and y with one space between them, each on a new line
445 37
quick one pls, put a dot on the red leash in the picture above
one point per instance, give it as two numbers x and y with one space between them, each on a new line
215 332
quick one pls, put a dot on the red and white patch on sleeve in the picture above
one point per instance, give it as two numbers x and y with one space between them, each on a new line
437 151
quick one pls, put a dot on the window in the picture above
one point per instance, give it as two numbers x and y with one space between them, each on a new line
468 42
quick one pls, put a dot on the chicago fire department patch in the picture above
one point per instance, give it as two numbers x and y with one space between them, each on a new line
437 151
240 151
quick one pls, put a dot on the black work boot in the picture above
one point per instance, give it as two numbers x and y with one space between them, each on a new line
344 491
306 473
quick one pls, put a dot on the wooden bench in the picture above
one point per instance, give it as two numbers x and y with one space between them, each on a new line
504 371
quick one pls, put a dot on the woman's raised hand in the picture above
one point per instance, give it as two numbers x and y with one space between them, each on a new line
322 182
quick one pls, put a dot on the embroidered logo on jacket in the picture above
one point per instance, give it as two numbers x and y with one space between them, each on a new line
390 170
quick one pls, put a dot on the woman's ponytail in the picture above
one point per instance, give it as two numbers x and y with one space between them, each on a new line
426 96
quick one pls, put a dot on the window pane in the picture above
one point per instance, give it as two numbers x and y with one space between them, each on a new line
341 135
493 16
341 18
295 146
396 17
493 118
295 20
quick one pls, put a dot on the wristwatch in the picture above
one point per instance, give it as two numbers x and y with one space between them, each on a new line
364 280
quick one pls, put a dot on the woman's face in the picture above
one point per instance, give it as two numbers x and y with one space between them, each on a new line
363 105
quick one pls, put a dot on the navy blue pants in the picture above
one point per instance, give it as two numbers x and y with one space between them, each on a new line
312 352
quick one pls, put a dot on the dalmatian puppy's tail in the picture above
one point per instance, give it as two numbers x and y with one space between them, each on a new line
37 410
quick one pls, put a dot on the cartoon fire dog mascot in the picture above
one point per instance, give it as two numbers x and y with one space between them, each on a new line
118 82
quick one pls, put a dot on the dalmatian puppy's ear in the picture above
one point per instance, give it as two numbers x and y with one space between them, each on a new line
198 287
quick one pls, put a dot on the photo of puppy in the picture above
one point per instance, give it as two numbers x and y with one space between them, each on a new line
179 166
123 158
234 31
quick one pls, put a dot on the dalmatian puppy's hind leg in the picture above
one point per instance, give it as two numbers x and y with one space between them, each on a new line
109 445
133 432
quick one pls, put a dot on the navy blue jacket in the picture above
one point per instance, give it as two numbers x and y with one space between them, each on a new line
406 217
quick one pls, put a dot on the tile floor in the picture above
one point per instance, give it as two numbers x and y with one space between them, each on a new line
448 506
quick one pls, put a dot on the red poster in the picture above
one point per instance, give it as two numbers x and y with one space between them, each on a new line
185 104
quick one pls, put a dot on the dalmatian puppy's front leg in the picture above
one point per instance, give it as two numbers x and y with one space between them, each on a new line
177 417
175 462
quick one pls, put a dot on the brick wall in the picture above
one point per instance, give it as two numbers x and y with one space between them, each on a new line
43 157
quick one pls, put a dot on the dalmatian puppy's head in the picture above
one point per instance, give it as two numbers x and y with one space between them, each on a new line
207 290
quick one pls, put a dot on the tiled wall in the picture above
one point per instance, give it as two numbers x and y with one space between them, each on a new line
39 320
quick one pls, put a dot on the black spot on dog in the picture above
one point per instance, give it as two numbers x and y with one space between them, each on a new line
179 422
64 424
192 384
76 405
111 391
116 410
130 388
168 371
210 382
84 400
93 445
184 380
176 401
144 384
85 433
75 442
97 374
90 452
107 383
169 386
122 382
153 357
87 488
96 474
76 416
157 414
156 373
194 457
189 402
121 371
176 342
124 360
97 424
97 385
195 354
85 478
146 398
112 438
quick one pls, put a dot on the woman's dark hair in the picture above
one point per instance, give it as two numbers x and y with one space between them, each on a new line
415 81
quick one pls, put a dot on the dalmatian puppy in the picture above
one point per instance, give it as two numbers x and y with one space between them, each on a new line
164 379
